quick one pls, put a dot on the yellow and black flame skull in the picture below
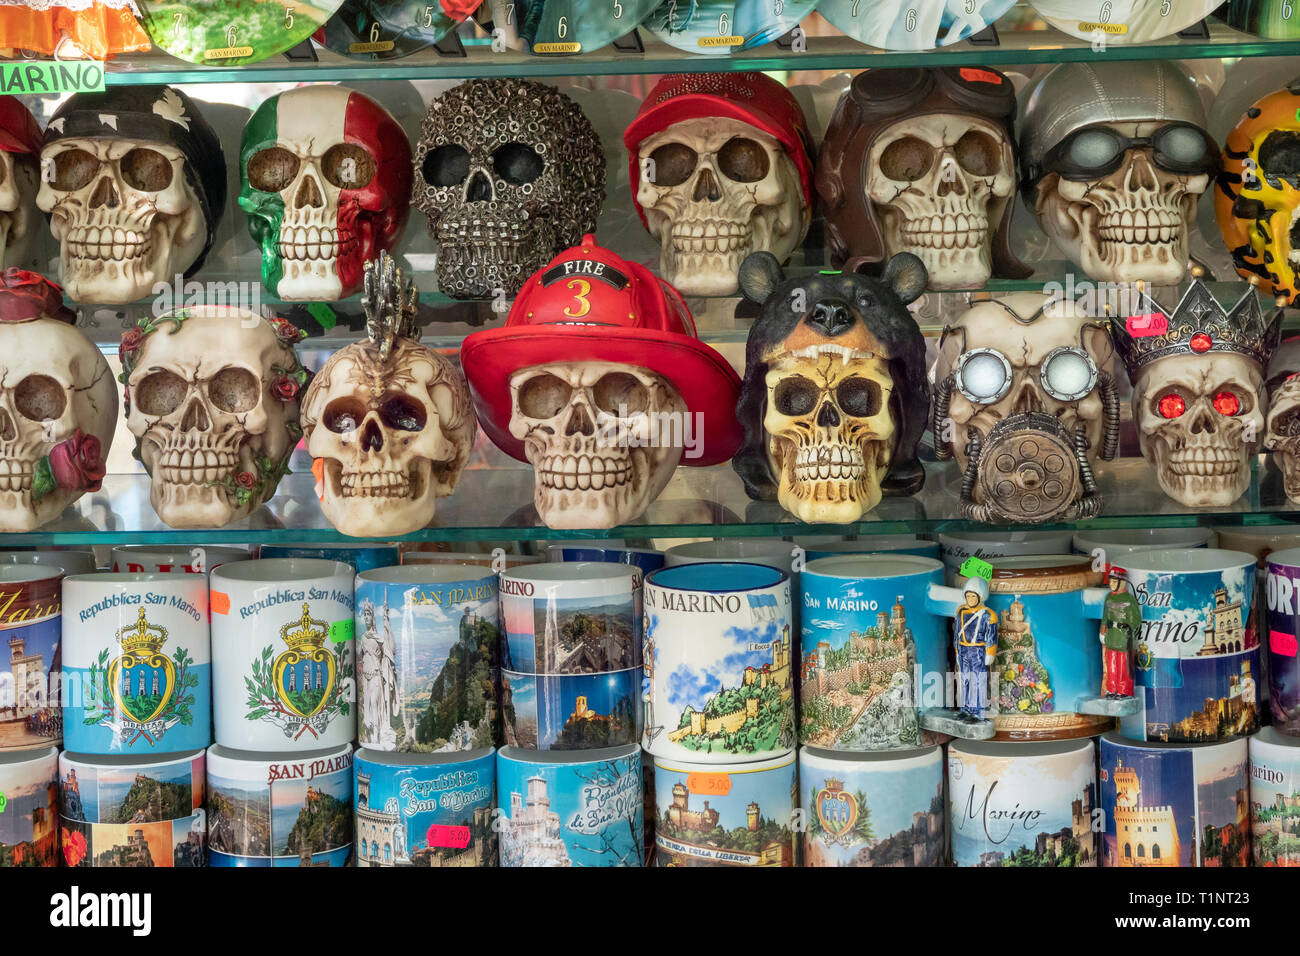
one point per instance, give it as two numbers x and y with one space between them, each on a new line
1258 199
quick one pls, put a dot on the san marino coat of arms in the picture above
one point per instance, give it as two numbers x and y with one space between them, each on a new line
837 812
142 692
298 689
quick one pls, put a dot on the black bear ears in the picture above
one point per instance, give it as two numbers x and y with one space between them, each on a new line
761 273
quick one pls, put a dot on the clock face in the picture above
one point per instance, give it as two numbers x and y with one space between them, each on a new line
549 27
1274 19
230 32
388 29
720 26
912 24
1123 21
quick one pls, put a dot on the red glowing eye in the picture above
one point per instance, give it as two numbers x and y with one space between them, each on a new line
1171 405
1225 403
1201 342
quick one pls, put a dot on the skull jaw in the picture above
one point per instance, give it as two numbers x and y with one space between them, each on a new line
110 282
1115 260
376 513
955 258
953 268
832 498
19 514
314 280
476 259
702 273
197 506
576 508
1220 489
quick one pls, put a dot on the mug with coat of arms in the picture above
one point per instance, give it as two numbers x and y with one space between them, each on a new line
137 663
282 654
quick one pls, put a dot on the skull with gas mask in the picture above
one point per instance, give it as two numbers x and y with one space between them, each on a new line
1114 177
20 149
1198 391
325 177
923 161
720 167
834 398
134 182
1026 403
508 173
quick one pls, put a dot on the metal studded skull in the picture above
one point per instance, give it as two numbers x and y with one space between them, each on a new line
508 173
212 400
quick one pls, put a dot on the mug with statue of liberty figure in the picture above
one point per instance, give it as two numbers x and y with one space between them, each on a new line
427 652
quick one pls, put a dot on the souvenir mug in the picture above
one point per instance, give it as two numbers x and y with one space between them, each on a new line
1197 663
138 663
1174 804
737 815
1282 593
881 809
1022 804
282 654
1111 546
72 562
133 809
29 824
871 544
279 810
130 559
499 562
773 554
718 654
427 645
580 808
425 809
360 557
1274 798
957 546
30 623
644 558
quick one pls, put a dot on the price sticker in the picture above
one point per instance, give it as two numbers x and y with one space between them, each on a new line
1147 324
1282 643
219 601
974 567
3 801
442 835
341 631
709 784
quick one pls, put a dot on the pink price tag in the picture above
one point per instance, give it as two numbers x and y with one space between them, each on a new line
441 835
1280 643
1150 323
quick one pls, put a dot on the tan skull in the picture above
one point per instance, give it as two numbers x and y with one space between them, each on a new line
830 430
603 439
1282 434
940 185
714 190
393 436
18 215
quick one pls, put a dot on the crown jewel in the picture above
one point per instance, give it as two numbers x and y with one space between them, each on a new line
306 632
142 638
1197 326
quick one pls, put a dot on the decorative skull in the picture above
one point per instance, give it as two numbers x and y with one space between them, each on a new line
134 182
389 420
721 168
1198 393
1115 178
212 400
1282 430
834 399
508 172
325 177
20 147
1027 404
923 161
58 406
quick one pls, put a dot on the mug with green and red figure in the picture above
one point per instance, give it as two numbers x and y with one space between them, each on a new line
1121 626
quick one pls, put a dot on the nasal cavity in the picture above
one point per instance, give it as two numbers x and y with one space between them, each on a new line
1141 174
308 195
1202 424
372 437
951 182
831 317
580 423
706 187
479 188
196 418
7 430
104 195
828 417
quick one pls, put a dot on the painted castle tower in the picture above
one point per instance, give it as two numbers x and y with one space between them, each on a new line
1144 836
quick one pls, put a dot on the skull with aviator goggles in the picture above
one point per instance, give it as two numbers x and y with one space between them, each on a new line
1028 403
1114 178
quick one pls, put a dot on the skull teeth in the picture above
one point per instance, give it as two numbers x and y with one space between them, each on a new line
825 462
1205 462
196 466
314 242
106 242
947 231
583 472
695 236
375 484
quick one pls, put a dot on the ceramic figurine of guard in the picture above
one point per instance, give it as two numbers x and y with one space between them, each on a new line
975 636
388 421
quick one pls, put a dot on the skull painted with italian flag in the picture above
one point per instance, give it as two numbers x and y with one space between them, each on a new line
325 177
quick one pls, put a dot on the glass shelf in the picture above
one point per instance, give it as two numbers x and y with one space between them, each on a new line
494 503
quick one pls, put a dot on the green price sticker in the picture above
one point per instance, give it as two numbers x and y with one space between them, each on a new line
3 802
52 76
973 567
341 631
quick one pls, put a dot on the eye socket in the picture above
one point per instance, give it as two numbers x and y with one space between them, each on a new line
796 396
348 166
621 395
403 413
1287 425
1279 154
271 170
446 165
1227 404
160 393
1068 374
40 398
979 153
1171 405
146 170
983 375
74 169
859 397
344 415
517 163
234 389
906 160
743 160
543 396
673 164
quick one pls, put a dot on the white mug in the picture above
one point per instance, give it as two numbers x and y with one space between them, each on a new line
72 562
128 559
769 552
1113 545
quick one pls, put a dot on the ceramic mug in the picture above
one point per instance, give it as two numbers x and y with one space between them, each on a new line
570 809
881 809
31 688
72 562
29 821
132 559
737 815
1111 546
772 553
499 562
282 654
957 546
1274 798
360 557
133 810
570 711
1282 599
137 663
425 809
718 658
279 810
427 647
1197 663
1174 804
1022 804
881 544
644 558
867 639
